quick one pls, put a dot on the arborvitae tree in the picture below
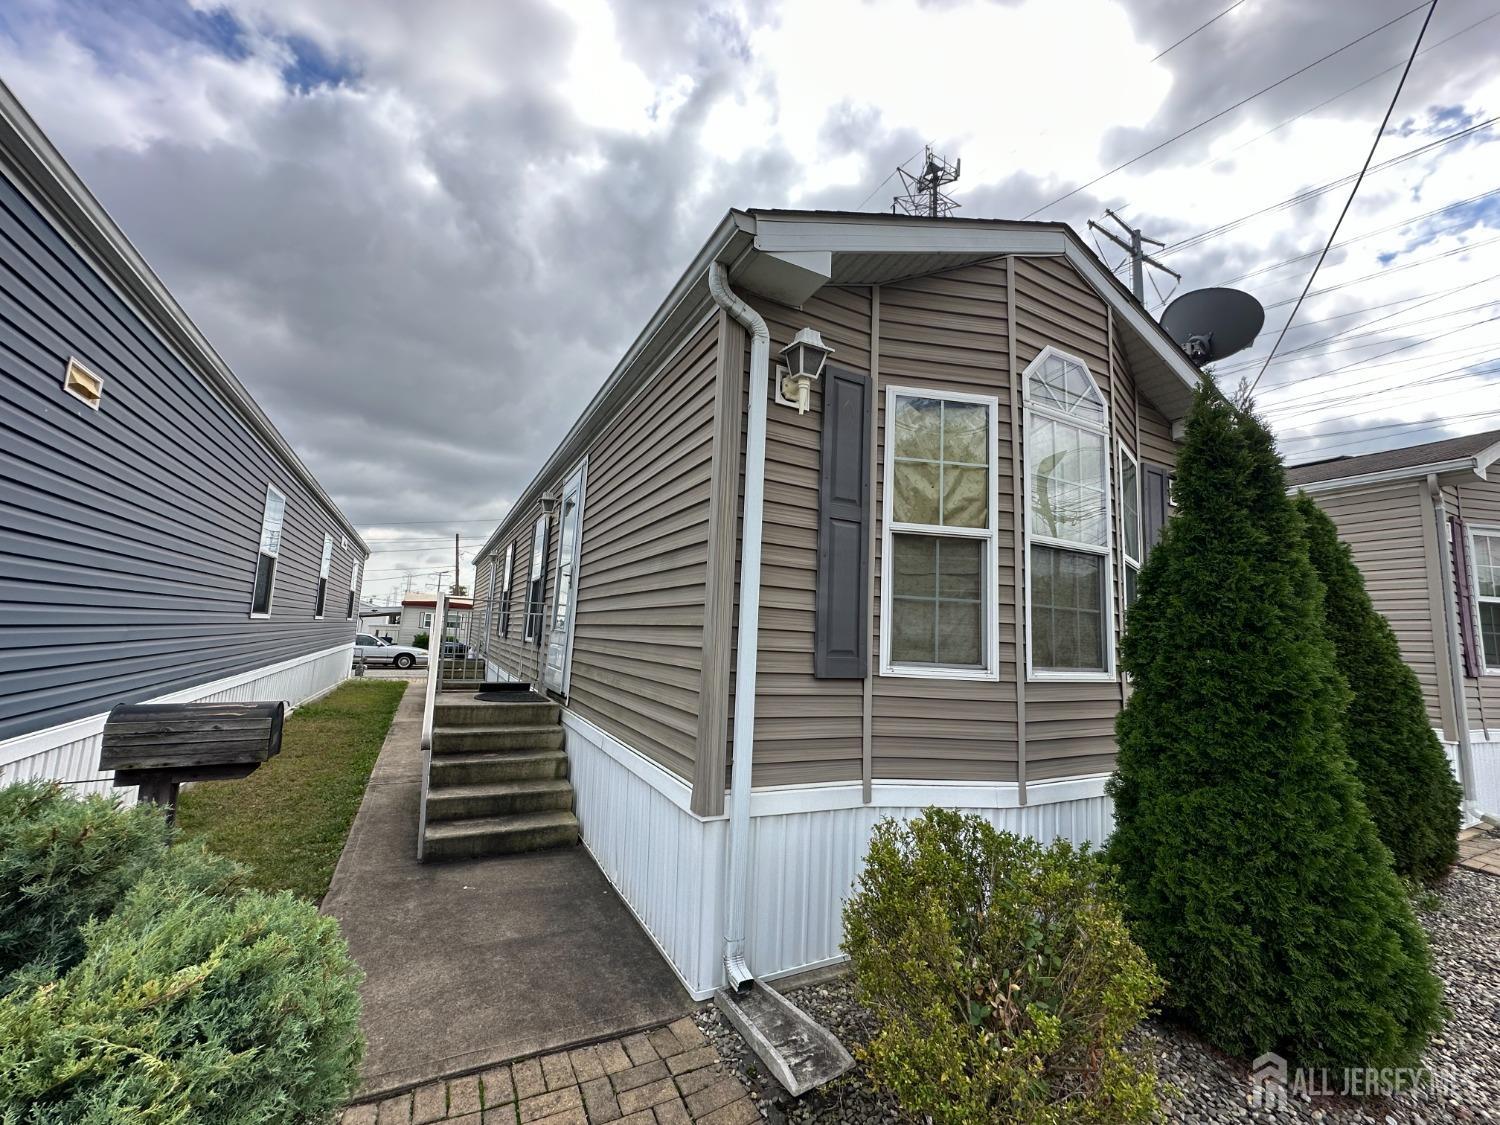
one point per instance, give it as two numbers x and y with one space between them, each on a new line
1251 870
1408 786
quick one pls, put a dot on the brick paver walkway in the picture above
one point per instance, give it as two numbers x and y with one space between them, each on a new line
1479 850
669 1076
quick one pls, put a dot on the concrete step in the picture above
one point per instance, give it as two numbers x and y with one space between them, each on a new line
477 836
501 798
478 713
505 765
458 740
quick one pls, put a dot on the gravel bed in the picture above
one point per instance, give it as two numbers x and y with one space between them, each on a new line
1463 925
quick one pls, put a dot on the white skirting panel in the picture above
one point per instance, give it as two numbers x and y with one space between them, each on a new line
1487 771
70 753
806 847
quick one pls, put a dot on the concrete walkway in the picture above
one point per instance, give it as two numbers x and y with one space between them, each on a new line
474 963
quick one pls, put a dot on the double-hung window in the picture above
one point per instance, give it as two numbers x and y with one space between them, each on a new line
940 562
505 586
536 580
270 550
427 621
354 569
1486 556
1130 524
323 565
1070 624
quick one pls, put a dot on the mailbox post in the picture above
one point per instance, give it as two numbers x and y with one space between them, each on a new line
158 746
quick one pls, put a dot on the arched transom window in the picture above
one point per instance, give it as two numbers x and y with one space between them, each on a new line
1068 581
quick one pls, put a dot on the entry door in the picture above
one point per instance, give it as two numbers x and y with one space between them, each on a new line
560 635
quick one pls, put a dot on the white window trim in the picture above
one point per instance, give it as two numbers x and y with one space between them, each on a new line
990 536
1489 531
325 567
1107 551
425 621
271 490
1127 560
537 568
582 474
502 624
355 566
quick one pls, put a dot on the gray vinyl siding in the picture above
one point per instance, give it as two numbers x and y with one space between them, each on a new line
511 652
130 535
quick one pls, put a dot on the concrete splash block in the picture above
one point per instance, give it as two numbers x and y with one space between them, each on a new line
798 1052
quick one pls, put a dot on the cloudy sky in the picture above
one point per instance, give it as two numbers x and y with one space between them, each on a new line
422 234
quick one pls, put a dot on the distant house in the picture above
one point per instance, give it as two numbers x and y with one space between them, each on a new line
774 615
1423 523
161 540
416 617
379 620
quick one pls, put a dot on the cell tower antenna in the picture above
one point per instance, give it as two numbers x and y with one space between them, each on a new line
924 193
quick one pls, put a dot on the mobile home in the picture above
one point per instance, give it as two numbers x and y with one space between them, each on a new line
1423 524
161 541
776 609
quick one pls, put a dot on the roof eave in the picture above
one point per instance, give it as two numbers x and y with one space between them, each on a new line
1457 465
48 177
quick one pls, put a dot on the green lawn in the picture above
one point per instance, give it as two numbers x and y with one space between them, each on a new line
288 819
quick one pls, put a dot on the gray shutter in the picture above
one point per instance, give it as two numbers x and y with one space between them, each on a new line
840 631
1156 483
1458 531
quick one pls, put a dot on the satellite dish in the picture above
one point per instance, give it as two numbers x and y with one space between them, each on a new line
1209 324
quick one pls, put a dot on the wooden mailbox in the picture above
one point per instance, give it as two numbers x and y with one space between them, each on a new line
158 746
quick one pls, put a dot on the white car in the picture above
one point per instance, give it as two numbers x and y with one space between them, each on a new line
375 651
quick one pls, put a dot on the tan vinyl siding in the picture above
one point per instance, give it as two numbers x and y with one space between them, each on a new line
806 730
511 652
1478 502
638 635
948 332
1069 725
943 332
1383 526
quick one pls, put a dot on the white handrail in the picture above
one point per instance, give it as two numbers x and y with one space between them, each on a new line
429 707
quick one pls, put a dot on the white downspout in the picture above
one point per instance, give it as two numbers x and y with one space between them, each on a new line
1455 652
737 891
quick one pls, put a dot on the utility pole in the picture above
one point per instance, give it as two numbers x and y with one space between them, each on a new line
1138 256
455 560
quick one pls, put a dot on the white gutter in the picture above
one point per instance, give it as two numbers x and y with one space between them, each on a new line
1384 476
736 969
1455 653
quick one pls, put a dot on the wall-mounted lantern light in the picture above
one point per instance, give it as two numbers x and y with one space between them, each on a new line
549 502
804 358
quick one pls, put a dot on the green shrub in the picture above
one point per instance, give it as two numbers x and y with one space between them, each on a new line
421 640
1001 976
1408 785
65 860
188 1006
1251 869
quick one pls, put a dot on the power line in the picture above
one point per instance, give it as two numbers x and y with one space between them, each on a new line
1312 193
1229 109
888 179
1371 234
1419 423
1197 29
1384 121
1345 91
1427 261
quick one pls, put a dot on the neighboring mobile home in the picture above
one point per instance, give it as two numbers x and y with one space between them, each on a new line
161 542
416 617
938 601
1423 523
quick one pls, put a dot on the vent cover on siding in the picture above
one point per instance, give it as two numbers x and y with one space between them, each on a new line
841 632
83 384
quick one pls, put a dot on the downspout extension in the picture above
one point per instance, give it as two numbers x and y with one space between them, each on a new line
1455 652
736 968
